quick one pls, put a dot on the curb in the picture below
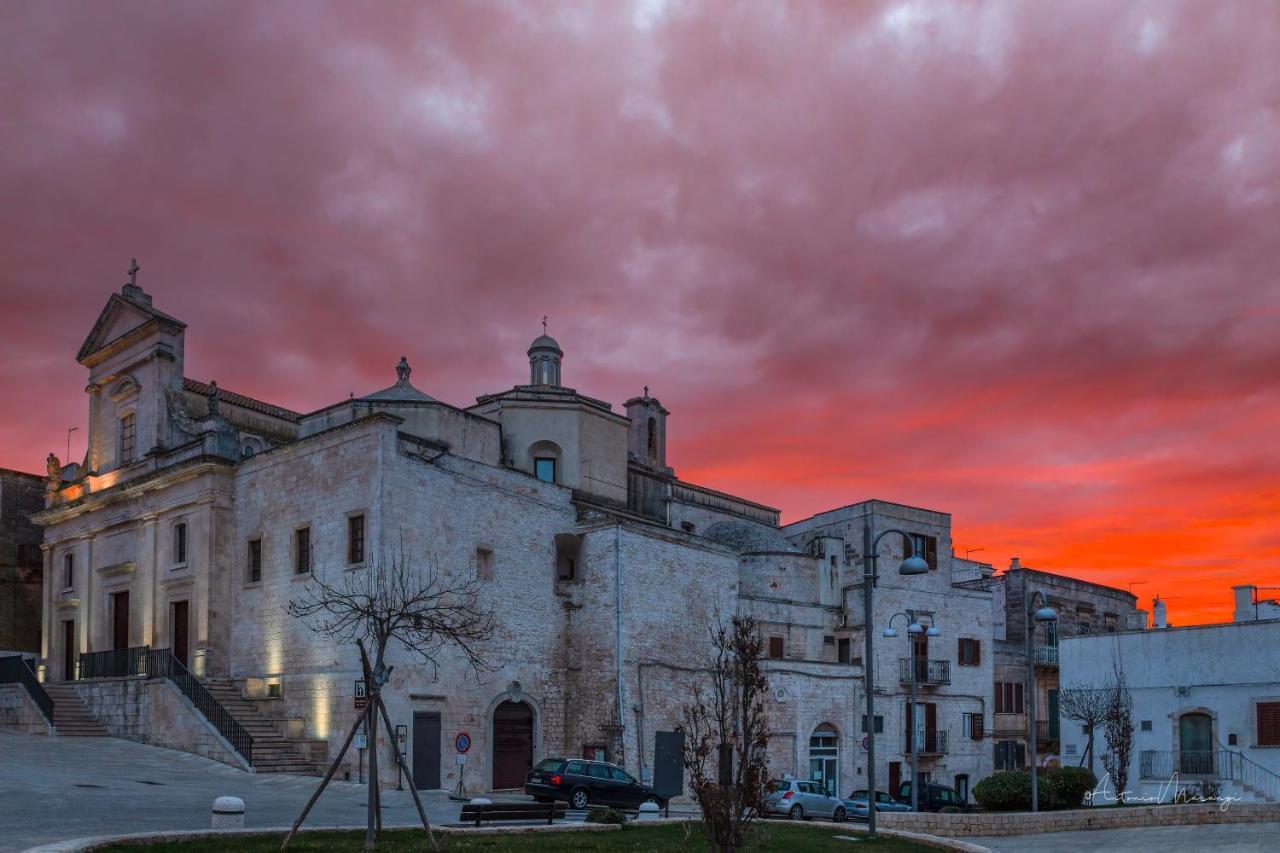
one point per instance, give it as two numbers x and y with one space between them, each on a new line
82 845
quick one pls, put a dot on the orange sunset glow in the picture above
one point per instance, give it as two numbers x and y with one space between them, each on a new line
1014 262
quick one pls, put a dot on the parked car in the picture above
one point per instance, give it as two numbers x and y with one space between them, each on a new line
799 800
933 798
856 803
581 783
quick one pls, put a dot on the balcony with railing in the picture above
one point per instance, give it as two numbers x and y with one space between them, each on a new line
931 742
928 673
1162 764
1047 656
1047 731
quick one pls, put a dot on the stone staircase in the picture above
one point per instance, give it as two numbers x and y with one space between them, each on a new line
273 752
70 716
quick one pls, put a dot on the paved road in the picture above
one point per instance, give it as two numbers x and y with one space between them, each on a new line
56 788
1221 838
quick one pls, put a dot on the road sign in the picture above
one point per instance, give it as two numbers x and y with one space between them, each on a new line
865 740
362 695
461 757
462 743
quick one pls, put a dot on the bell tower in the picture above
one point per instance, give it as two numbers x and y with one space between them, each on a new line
647 439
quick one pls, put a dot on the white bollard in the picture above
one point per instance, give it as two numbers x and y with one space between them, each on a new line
228 813
481 801
648 811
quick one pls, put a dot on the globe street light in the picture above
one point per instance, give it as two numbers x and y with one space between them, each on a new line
1044 614
912 565
914 630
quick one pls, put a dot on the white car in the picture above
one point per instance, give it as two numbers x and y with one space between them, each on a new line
799 800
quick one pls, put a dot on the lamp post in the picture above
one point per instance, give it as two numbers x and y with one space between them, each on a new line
1044 614
914 630
912 565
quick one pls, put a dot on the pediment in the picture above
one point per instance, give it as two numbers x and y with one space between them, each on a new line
121 317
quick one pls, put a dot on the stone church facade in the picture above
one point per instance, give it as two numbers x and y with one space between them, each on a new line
198 514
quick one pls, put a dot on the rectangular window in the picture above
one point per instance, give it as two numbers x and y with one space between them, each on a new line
126 439
828 640
1010 755
255 560
1269 724
180 544
879 724
355 539
973 727
545 469
1008 697
1145 725
843 650
302 550
68 571
926 547
484 564
775 647
970 651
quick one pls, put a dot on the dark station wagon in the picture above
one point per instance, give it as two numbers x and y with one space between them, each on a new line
581 783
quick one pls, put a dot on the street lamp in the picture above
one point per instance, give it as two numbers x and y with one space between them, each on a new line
912 565
914 629
1044 614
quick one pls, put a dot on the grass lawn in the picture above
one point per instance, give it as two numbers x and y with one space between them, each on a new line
770 835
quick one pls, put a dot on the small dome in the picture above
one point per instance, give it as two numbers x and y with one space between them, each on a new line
747 538
402 391
545 342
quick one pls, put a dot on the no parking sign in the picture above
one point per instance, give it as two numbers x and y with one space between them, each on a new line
462 742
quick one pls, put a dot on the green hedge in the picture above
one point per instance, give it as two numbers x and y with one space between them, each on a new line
1058 787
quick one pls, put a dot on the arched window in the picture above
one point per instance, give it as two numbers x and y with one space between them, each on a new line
824 758
544 458
653 436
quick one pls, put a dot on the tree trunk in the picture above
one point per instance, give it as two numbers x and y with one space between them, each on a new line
371 830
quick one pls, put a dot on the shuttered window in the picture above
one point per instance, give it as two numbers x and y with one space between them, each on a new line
1008 697
775 647
1269 724
970 652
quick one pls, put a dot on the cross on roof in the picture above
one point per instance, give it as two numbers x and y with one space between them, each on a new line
133 271
544 324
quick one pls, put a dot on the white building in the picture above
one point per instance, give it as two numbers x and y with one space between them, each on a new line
1206 705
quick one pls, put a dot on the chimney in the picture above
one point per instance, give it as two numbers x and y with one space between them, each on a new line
1245 596
1159 619
1015 563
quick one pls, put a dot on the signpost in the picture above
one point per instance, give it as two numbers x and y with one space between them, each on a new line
461 743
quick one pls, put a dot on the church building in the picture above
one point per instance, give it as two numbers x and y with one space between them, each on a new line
198 514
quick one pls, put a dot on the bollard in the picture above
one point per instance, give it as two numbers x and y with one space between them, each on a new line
648 811
481 802
228 813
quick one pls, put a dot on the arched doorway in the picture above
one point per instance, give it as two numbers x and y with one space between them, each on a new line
1195 743
512 744
824 758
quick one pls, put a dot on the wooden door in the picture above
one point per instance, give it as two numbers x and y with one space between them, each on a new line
181 624
895 779
120 620
512 744
69 650
426 750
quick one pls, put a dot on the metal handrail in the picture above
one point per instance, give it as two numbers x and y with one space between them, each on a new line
1161 764
1046 655
117 663
15 669
165 664
934 742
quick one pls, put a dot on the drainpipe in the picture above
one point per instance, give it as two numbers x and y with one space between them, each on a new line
617 604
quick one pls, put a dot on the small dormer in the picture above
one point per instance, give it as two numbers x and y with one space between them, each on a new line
134 357
647 439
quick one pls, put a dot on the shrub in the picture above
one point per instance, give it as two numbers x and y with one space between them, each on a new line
1008 790
1068 786
951 810
603 815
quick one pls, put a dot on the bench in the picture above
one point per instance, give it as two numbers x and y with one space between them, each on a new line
513 811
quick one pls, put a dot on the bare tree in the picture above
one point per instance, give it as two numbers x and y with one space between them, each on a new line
1085 703
420 608
727 735
1118 729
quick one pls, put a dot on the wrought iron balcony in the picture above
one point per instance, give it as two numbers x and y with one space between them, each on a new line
928 672
1047 656
931 743
1047 731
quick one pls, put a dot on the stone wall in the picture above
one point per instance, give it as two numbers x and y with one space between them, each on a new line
21 569
1025 823
155 712
19 713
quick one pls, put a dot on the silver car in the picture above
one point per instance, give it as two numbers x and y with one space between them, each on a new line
799 800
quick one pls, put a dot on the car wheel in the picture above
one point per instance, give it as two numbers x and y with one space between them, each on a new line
796 813
579 799
839 815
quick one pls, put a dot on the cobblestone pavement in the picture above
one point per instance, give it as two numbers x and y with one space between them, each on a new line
57 788
1221 838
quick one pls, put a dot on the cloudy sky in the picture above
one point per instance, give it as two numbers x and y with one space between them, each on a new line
1017 261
